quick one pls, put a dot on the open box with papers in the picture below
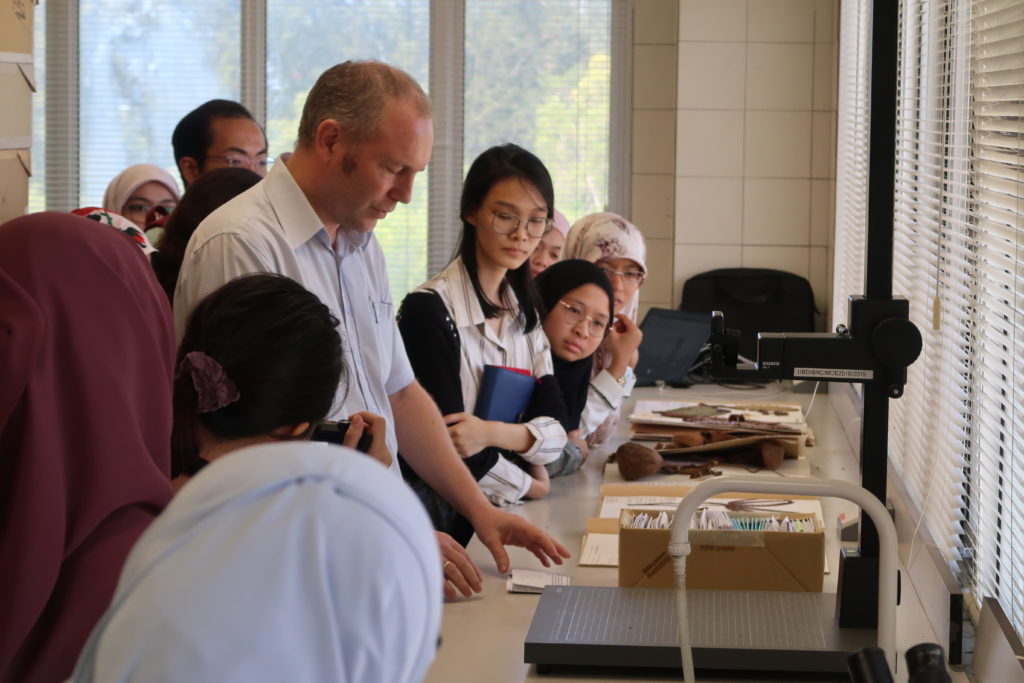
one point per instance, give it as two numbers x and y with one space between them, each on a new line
727 559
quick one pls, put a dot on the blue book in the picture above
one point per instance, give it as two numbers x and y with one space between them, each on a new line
504 394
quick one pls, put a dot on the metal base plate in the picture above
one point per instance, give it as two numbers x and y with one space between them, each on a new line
763 631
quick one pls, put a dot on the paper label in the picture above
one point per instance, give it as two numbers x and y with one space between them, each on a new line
833 373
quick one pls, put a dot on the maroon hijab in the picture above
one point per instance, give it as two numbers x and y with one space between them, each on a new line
86 355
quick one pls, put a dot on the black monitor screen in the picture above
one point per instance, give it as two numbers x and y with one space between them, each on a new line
672 341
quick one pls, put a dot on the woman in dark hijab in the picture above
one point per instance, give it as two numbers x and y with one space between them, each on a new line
578 302
86 351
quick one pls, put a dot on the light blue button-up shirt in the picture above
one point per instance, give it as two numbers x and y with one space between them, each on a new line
273 228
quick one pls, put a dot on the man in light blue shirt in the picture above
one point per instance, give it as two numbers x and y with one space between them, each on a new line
365 133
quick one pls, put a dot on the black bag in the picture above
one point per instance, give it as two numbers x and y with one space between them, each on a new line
753 300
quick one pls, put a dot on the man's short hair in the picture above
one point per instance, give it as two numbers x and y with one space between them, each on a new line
193 134
355 94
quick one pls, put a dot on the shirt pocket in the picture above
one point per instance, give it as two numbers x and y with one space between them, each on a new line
383 313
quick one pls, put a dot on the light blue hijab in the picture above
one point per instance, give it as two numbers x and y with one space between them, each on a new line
292 561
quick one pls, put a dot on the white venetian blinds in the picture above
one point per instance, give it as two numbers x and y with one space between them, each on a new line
932 262
537 73
304 38
956 437
995 525
851 156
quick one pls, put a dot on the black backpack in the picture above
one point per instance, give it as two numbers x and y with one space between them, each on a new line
753 300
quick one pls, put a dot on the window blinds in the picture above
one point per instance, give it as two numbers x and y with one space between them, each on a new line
956 437
995 525
141 67
299 49
531 72
851 157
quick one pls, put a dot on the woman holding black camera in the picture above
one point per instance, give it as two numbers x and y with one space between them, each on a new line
260 361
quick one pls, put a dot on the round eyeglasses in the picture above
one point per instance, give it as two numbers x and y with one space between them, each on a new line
575 315
505 223
631 277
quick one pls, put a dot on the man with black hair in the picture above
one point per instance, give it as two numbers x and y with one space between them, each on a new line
218 134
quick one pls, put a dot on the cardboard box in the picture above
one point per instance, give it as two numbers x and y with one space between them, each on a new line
16 17
17 83
15 169
724 560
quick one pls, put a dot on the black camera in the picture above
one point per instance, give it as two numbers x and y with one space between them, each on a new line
334 432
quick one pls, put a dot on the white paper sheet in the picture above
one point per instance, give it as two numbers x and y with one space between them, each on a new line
600 550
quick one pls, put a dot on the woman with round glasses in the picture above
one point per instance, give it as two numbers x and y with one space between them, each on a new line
578 300
617 247
483 310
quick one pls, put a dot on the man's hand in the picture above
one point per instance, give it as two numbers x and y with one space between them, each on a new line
500 528
468 432
460 574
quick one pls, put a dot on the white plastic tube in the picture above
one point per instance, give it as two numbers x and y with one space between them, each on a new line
679 545
681 616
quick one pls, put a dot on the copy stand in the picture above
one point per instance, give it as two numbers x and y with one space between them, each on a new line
577 625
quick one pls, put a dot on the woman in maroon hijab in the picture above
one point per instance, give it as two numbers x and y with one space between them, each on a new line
86 351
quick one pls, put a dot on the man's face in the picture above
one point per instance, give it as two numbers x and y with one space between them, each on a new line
238 142
370 178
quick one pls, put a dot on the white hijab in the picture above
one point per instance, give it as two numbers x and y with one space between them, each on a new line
131 179
293 561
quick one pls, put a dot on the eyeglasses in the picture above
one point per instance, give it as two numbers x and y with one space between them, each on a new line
143 207
243 161
505 223
632 277
574 316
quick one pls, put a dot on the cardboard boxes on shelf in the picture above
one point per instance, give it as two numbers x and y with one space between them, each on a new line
17 84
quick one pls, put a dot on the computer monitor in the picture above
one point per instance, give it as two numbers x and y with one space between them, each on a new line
672 342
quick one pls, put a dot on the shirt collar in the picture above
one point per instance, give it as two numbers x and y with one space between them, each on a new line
466 306
464 302
299 221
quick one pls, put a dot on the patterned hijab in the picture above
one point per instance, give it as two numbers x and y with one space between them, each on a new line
86 351
116 220
292 561
602 236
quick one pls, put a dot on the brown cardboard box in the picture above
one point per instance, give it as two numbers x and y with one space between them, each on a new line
16 25
17 83
15 169
724 560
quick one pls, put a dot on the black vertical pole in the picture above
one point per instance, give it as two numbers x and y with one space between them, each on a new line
858 576
879 243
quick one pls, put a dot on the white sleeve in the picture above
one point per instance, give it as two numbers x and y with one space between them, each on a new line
604 396
505 483
549 439
217 261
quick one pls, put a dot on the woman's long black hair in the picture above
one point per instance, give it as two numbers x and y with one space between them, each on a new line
492 166
277 343
208 192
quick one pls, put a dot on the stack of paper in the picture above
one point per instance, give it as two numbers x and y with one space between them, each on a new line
737 424
533 581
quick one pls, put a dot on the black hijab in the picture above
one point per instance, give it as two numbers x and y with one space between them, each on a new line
573 376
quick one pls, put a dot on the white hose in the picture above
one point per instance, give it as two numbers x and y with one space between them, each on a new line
682 618
679 545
